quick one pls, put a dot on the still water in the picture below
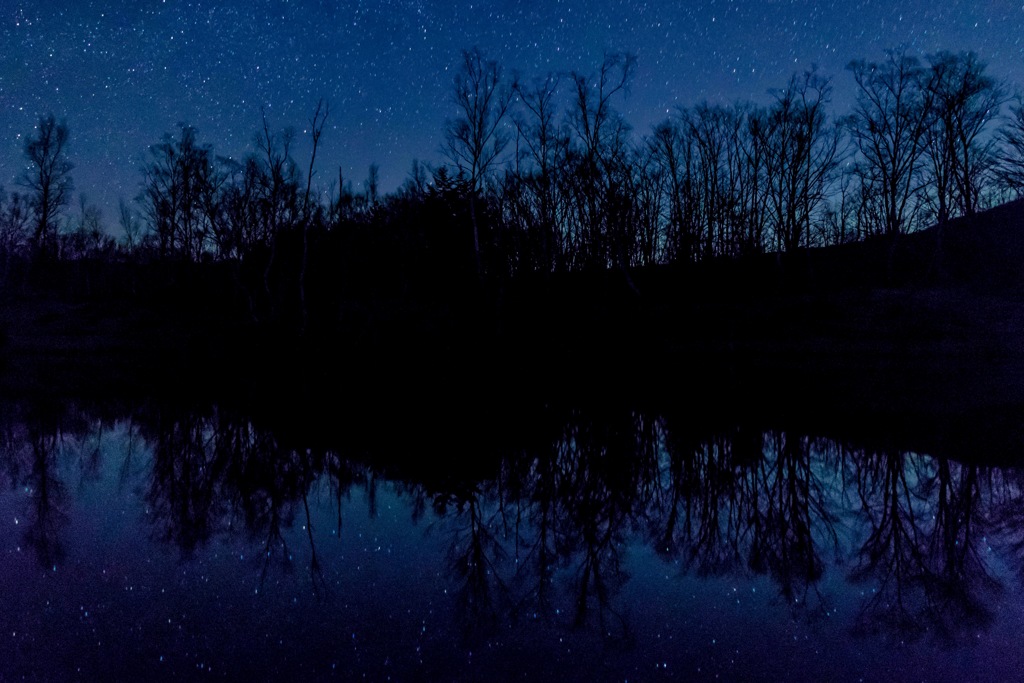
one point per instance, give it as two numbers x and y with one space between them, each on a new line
198 545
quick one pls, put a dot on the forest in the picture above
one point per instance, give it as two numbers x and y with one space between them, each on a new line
544 186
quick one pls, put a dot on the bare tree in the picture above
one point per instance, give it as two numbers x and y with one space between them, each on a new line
15 218
712 134
1010 159
86 237
316 129
372 185
476 139
669 151
540 146
276 192
648 189
601 158
964 102
801 157
839 223
277 181
180 192
887 127
415 184
130 225
47 181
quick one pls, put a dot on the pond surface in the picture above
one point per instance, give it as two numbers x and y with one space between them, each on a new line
155 545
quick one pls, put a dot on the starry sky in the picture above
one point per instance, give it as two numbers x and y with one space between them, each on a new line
124 72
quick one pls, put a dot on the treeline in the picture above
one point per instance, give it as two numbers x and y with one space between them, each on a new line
547 176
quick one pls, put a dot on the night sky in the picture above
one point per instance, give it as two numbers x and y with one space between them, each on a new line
124 72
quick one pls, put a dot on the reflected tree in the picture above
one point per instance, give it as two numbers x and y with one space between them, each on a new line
185 504
47 495
960 580
924 549
476 555
791 519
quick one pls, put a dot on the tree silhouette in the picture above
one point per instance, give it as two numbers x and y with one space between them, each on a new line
669 149
181 186
965 102
713 134
47 181
599 163
1010 156
475 139
888 125
15 220
801 153
581 190
311 210
130 225
531 191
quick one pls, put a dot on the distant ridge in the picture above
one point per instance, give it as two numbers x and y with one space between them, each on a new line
983 251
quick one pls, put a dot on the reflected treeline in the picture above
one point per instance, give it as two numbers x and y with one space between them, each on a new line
32 444
216 473
548 533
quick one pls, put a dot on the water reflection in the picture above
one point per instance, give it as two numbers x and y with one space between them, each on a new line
929 546
30 450
216 473
922 544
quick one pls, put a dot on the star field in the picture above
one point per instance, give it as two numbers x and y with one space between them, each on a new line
125 72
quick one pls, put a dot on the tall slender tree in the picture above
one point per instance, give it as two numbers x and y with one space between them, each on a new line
1010 157
965 102
802 149
47 182
476 138
180 192
310 209
887 126
540 146
601 155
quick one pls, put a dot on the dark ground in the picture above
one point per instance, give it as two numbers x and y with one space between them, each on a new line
917 341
